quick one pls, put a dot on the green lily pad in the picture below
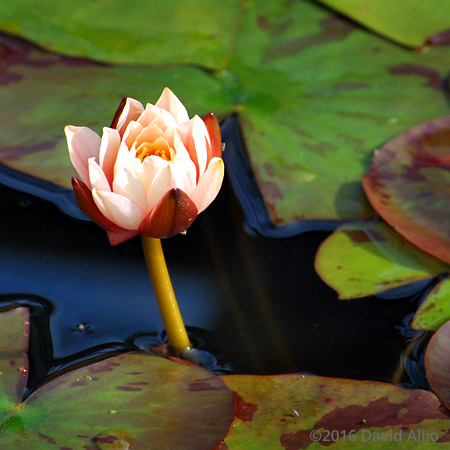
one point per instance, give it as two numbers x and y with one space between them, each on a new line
151 32
409 185
43 92
437 363
317 96
124 401
307 412
407 22
362 259
314 93
435 309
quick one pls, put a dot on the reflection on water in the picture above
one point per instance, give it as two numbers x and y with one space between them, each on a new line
261 305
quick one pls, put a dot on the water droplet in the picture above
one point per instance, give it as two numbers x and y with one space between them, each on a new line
112 411
392 120
22 369
88 377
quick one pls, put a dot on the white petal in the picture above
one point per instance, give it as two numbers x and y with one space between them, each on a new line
146 171
170 102
132 110
167 178
108 151
185 164
83 144
209 184
97 176
119 209
127 184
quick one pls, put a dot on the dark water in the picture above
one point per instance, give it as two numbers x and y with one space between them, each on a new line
255 303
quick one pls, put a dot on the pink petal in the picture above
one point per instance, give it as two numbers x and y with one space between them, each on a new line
166 179
83 144
119 209
194 135
131 133
97 177
84 198
129 109
170 102
173 214
108 152
147 171
209 184
120 235
124 158
127 184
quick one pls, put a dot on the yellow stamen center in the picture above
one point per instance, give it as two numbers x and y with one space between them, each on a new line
152 148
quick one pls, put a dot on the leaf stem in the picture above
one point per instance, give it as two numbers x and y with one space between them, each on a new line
165 295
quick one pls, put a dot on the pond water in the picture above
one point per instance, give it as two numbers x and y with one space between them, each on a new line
255 303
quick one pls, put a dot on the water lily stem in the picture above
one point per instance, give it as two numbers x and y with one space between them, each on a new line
167 302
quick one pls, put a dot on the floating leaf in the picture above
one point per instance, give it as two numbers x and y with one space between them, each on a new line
435 309
359 260
14 334
111 31
408 22
409 185
300 411
437 363
125 401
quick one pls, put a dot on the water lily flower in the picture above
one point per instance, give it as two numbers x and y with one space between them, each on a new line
151 173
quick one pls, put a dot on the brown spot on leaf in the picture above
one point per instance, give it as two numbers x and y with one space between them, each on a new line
78 383
49 439
105 366
128 388
441 38
333 28
357 236
378 414
243 410
203 385
433 77
139 383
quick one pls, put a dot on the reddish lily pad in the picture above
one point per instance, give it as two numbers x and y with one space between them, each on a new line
124 401
294 412
435 309
407 22
409 185
359 260
437 363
